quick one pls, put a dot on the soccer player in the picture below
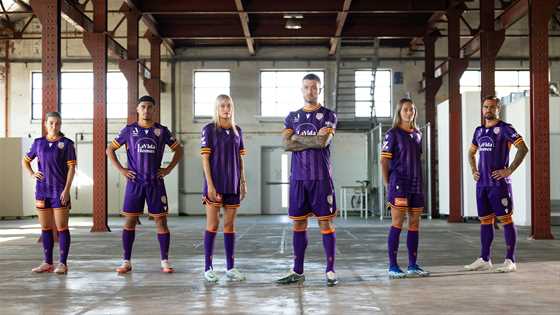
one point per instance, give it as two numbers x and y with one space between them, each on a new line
308 133
145 142
402 175
57 165
494 199
225 185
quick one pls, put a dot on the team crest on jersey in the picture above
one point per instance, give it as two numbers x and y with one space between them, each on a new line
157 132
496 130
330 199
319 116
163 199
60 145
505 202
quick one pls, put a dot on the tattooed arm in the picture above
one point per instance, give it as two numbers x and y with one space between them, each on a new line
295 143
522 151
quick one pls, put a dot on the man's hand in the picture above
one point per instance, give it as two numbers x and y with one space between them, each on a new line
127 173
65 197
500 174
162 172
476 175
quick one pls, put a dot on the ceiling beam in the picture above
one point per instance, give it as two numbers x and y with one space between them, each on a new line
244 17
340 20
152 25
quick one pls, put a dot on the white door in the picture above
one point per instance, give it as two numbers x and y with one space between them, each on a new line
275 178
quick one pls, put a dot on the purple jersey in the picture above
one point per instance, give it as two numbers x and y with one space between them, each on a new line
225 149
144 149
311 164
54 157
493 150
404 149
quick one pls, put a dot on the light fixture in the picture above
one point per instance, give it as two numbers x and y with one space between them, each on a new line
292 21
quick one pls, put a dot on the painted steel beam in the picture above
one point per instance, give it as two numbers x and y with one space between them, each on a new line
129 66
244 17
340 20
153 84
152 25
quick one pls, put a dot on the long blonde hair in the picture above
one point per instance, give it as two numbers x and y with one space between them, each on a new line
397 117
216 119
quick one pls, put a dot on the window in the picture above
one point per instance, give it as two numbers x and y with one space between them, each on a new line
207 86
281 91
363 93
507 81
76 95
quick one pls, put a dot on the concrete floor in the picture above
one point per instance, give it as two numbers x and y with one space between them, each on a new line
264 253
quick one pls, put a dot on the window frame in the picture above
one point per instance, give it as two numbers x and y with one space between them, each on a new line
390 70
202 117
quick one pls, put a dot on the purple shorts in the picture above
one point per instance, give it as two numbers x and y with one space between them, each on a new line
405 201
494 201
151 193
44 203
312 197
229 201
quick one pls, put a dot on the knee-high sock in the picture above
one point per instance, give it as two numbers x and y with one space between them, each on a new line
64 245
47 238
393 245
164 240
128 240
412 246
486 238
511 239
300 244
329 244
208 249
229 244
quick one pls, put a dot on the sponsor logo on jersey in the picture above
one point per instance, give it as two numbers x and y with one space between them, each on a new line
307 129
146 145
135 132
485 144
296 119
61 145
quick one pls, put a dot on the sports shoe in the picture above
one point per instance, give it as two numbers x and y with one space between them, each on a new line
166 267
235 275
395 272
61 269
415 271
291 277
126 267
479 265
331 279
44 267
211 276
508 266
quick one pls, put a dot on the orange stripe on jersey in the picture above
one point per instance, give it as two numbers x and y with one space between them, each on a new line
518 141
115 144
175 145
27 159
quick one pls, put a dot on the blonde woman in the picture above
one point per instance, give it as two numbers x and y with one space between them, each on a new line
402 176
225 185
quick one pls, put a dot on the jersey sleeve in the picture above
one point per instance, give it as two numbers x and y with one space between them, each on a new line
242 150
289 123
206 143
474 143
331 122
32 153
170 140
120 139
512 135
71 154
388 147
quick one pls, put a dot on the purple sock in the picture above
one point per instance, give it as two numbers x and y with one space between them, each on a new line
48 244
300 244
229 244
128 240
329 244
208 249
486 238
64 245
164 240
393 245
511 238
412 245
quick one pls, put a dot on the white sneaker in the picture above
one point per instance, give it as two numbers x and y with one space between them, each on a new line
235 275
331 279
211 276
479 265
44 267
508 266
125 267
61 269
166 267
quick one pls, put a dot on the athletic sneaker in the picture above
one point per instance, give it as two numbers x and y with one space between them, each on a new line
291 277
166 267
44 267
479 264
61 269
331 279
508 266
235 275
125 267
211 276
395 272
415 271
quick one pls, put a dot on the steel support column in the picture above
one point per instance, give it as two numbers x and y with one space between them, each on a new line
153 84
432 86
48 13
96 43
129 67
490 43
540 13
457 66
